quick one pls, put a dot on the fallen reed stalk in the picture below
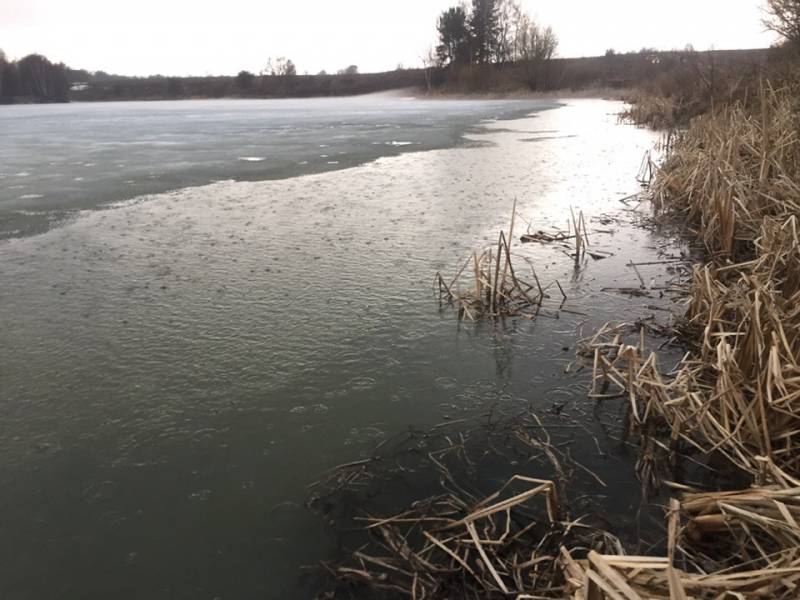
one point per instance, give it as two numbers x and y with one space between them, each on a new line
459 542
751 539
520 540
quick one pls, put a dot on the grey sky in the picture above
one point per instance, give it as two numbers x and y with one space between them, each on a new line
179 37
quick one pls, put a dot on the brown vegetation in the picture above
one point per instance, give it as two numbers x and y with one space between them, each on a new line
735 176
495 289
732 175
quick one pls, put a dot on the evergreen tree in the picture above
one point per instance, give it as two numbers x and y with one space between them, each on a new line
42 80
454 37
484 29
244 80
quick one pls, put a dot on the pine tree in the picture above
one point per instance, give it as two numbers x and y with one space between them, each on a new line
484 29
454 37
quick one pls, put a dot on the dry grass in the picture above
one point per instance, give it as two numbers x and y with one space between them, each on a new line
656 112
519 542
460 542
735 177
733 169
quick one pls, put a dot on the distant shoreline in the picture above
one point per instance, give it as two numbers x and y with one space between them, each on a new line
610 76
598 92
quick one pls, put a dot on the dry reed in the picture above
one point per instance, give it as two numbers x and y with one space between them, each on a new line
494 287
459 542
738 393
734 176
750 539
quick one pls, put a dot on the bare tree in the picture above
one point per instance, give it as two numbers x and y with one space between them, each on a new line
280 67
2 70
547 44
509 17
429 61
537 47
784 19
524 31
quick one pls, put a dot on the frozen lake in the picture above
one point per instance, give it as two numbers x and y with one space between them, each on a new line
55 159
177 368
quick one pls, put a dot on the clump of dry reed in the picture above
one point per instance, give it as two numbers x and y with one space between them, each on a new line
445 546
495 288
459 542
656 112
732 169
521 542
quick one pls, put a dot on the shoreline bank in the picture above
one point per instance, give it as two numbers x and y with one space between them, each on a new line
729 406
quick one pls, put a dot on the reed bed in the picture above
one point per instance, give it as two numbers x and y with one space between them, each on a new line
656 112
734 177
734 168
750 540
522 542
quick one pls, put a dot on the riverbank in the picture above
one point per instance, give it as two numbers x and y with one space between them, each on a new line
729 407
734 178
591 92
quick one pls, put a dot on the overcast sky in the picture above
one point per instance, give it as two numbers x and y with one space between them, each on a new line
181 37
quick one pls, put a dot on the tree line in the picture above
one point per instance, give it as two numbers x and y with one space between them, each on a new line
280 67
32 79
495 32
